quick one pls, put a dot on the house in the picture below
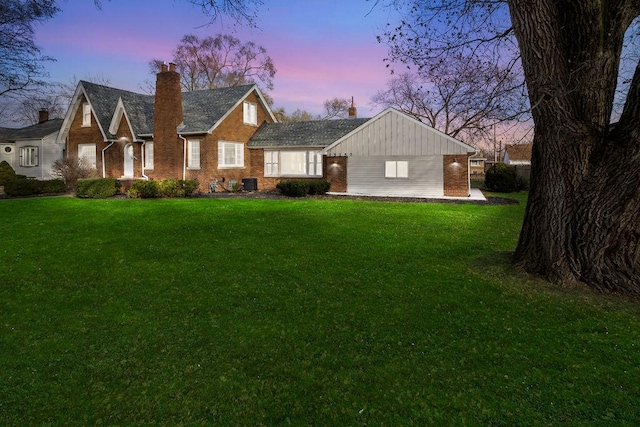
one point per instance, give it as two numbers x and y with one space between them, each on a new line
32 150
518 154
200 135
231 134
477 163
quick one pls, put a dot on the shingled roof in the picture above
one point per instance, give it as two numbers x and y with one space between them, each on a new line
37 131
519 152
318 133
202 109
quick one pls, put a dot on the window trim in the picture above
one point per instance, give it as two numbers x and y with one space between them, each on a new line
30 153
86 115
392 171
193 154
238 155
250 113
92 161
148 155
313 160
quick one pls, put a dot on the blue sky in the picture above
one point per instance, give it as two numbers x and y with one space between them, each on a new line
321 48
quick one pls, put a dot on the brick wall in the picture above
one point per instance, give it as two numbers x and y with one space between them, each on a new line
456 175
335 171
79 134
167 115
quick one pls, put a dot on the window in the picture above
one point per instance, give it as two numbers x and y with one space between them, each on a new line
250 113
230 154
271 163
193 148
29 156
86 114
148 155
292 163
396 169
476 163
87 152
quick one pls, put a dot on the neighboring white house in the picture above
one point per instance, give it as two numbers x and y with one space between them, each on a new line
395 154
32 150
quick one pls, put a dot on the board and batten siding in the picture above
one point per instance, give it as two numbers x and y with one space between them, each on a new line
366 176
395 134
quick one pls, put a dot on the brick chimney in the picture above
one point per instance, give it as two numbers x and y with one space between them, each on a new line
43 115
167 116
353 113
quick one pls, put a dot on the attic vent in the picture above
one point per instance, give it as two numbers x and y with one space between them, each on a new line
7 149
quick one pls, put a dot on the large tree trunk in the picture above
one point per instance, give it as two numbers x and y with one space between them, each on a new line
582 222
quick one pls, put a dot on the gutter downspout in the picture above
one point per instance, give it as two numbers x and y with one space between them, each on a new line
104 168
184 157
142 165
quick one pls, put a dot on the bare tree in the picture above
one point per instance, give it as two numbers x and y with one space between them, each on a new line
581 224
220 61
336 108
21 62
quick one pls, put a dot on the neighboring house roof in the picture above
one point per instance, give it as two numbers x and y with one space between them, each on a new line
37 131
518 153
317 133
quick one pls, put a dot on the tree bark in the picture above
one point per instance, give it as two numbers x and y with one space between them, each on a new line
582 222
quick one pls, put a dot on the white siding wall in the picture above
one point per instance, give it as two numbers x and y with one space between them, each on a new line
394 134
365 175
48 152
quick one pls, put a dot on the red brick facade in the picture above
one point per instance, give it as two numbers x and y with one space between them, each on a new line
456 175
335 171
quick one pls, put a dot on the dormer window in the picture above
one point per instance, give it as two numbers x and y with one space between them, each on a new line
250 113
86 115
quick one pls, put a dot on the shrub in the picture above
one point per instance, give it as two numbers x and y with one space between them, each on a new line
189 186
503 178
318 186
22 187
293 188
170 187
71 169
97 188
144 190
6 172
53 186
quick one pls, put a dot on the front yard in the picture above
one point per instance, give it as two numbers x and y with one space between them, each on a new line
304 312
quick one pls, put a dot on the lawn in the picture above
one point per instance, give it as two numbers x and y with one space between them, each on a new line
297 312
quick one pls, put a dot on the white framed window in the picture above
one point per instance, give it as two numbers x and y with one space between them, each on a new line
87 152
230 154
29 156
148 155
250 113
86 114
271 163
193 152
314 163
396 169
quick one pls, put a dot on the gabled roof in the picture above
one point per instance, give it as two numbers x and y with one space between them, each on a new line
104 99
318 133
435 136
203 110
37 131
519 152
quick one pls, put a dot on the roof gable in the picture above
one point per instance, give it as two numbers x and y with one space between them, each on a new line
518 152
396 133
317 133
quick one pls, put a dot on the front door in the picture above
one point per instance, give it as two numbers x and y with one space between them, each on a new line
128 160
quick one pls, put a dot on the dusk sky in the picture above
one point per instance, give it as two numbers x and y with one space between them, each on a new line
321 48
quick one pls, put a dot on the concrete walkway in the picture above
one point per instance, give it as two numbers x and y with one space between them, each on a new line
475 194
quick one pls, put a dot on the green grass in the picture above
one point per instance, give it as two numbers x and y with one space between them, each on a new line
301 312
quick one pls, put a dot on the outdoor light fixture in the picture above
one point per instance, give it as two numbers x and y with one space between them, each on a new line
455 160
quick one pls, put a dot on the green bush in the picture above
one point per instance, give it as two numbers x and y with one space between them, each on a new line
6 172
53 186
293 188
503 178
189 186
170 187
144 190
22 187
318 186
97 188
